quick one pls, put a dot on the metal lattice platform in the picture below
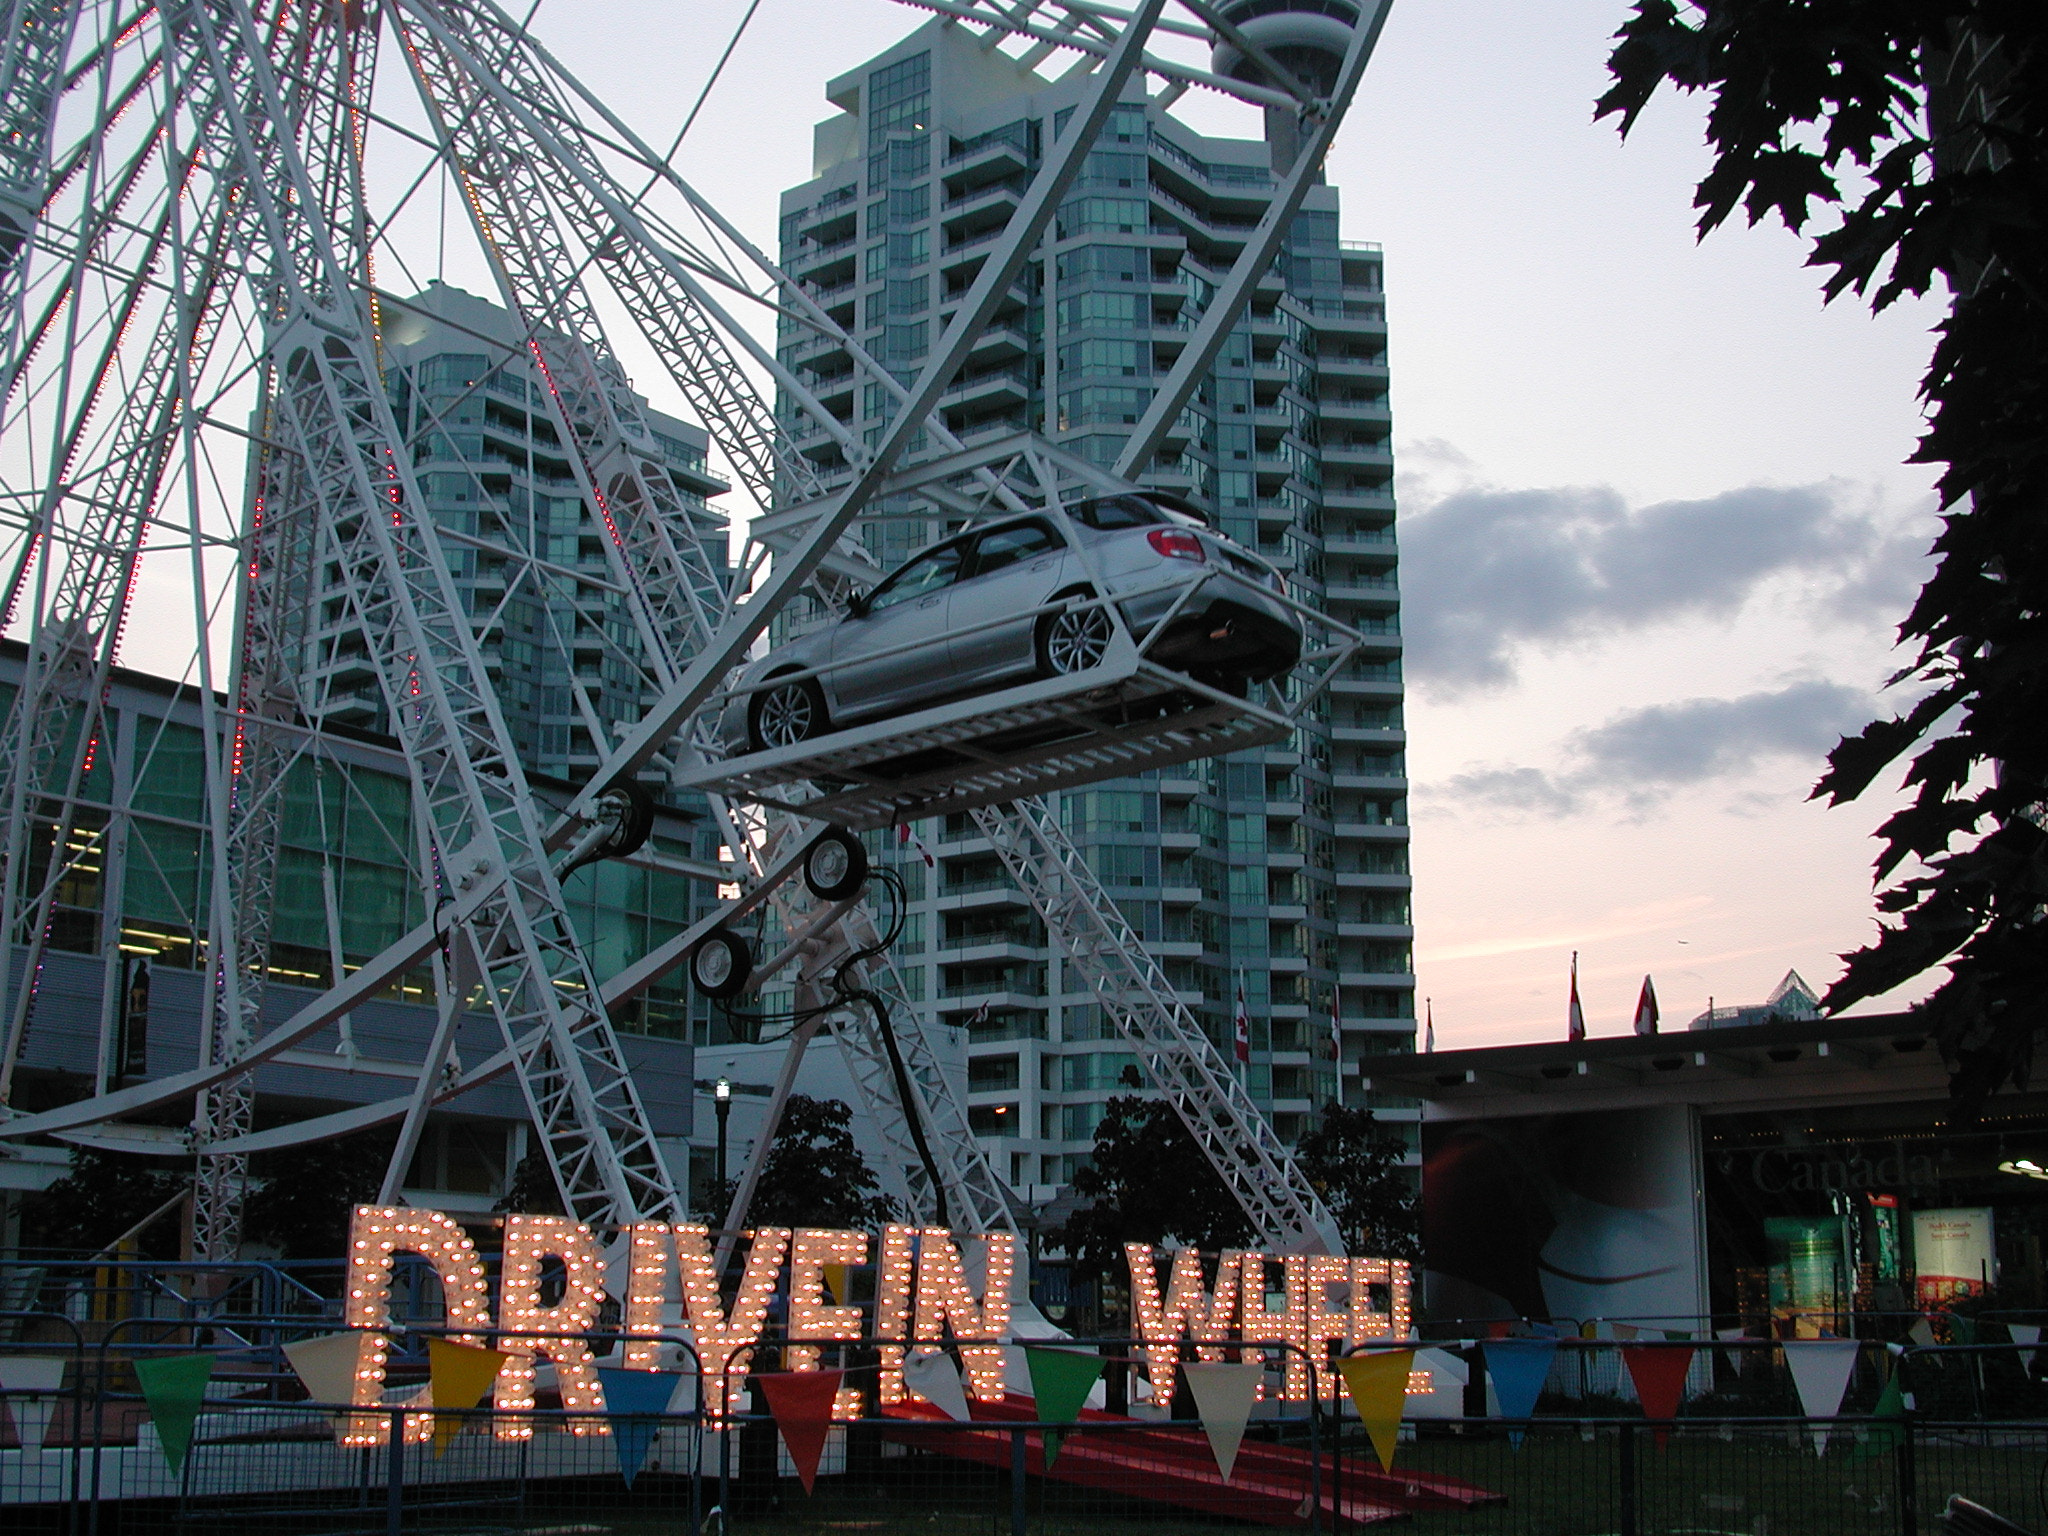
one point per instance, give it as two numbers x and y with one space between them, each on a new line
1108 722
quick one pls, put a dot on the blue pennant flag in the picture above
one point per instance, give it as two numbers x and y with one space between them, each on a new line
633 1403
1519 1367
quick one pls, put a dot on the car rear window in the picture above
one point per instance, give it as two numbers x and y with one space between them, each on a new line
1116 512
1006 546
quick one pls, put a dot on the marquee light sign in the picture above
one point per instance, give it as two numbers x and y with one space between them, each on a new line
922 1294
1374 1308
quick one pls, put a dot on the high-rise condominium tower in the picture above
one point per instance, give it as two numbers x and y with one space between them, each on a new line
564 652
1281 875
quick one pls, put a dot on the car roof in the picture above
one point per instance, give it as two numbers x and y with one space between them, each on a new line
1166 501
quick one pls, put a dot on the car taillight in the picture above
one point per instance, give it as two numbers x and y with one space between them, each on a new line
1176 544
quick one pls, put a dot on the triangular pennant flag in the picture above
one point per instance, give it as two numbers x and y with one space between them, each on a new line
934 1377
1891 1404
458 1376
1378 1385
2028 1334
1224 1393
31 1383
1519 1367
1821 1370
327 1366
634 1402
1658 1371
802 1404
174 1387
835 1282
1061 1380
1922 1333
1624 1331
1963 1330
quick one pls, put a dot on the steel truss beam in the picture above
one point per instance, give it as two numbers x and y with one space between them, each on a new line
332 408
1114 966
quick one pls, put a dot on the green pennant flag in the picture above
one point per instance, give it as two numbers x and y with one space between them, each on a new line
1061 1380
1891 1404
173 1387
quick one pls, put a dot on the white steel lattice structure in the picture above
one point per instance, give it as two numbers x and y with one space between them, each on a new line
196 201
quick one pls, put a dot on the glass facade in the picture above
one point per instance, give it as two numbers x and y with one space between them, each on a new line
1280 875
562 655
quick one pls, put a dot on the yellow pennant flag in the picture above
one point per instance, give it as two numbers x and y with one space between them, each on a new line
835 1282
458 1376
1378 1384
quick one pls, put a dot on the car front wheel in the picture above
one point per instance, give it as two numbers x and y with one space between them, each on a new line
784 714
1073 641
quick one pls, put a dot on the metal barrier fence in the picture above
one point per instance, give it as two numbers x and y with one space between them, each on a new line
1970 1424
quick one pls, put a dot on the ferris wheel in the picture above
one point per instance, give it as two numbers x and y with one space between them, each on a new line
208 211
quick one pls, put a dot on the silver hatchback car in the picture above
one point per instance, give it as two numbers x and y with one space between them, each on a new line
980 611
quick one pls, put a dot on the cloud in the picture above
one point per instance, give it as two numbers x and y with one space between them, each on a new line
1487 572
1642 755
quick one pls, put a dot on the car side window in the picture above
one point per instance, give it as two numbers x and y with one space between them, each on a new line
923 576
1006 546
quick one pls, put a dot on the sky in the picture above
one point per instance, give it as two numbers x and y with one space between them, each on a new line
1655 518
1656 523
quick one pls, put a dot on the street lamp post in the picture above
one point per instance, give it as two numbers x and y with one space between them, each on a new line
721 1100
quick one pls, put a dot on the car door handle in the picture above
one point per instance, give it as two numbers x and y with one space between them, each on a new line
928 602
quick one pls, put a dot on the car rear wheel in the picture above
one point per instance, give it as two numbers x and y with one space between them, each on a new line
784 714
1073 640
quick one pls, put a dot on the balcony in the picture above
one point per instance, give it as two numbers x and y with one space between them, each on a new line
989 391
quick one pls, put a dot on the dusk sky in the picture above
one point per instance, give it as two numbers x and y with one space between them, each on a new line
1657 527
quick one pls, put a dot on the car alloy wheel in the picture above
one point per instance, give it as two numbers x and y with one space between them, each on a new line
835 865
1076 640
787 713
720 964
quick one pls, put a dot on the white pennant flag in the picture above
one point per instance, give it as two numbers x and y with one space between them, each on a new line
934 1377
327 1366
1821 1370
1224 1393
41 1378
2028 1334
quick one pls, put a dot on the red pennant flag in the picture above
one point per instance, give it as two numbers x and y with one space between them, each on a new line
1658 1370
802 1404
1575 1016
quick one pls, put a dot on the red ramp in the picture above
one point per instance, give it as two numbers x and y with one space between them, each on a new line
1270 1485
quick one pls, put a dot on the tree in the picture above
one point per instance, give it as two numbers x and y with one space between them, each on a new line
101 1200
1146 1180
815 1175
301 1197
1923 126
1362 1175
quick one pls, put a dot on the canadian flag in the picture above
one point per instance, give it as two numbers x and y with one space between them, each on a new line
1242 1031
1646 1009
910 839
